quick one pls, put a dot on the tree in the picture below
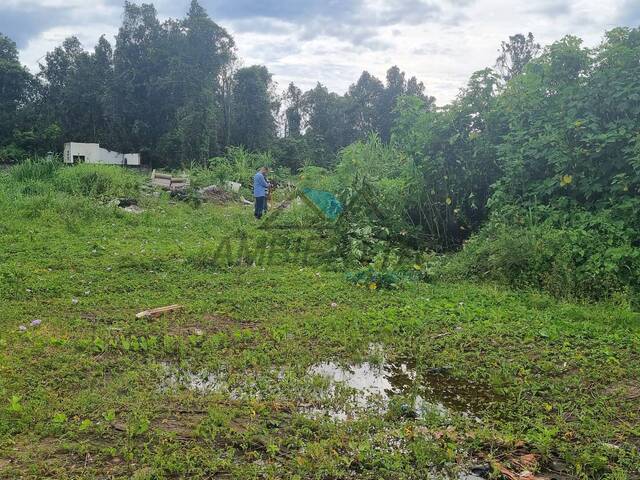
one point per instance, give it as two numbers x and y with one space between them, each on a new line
515 54
397 87
14 85
253 108
328 128
63 90
199 50
293 112
453 151
141 103
364 101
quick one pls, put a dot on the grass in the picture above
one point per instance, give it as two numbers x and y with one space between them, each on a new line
92 392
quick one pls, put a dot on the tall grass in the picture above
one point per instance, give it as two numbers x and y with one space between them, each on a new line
35 170
99 181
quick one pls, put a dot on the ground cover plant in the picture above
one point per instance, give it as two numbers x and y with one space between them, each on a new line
253 378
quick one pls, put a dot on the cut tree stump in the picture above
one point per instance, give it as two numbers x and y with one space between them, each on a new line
156 312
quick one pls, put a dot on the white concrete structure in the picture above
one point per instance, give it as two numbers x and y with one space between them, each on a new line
92 153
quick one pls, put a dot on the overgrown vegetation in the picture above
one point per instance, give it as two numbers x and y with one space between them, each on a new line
40 176
227 386
541 172
451 243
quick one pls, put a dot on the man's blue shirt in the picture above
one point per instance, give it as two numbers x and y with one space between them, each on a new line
260 185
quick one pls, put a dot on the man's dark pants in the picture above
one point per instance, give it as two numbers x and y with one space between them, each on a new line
261 206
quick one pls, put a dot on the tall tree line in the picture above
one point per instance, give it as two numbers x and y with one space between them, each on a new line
174 91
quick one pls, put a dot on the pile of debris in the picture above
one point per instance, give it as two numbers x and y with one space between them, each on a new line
215 194
168 182
129 205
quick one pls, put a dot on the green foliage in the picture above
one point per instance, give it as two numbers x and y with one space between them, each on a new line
452 164
374 279
243 401
237 165
15 405
11 154
35 169
100 181
253 107
560 136
579 255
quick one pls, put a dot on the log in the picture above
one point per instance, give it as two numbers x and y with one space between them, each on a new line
156 312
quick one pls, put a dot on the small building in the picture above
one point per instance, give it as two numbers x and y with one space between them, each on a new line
75 152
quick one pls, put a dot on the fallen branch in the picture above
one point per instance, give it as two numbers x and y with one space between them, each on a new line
440 335
156 312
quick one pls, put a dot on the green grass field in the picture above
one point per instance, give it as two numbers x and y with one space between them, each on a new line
238 384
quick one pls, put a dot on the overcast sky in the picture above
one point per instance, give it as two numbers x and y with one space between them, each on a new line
440 41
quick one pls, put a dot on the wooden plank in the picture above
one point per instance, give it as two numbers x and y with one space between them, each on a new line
156 312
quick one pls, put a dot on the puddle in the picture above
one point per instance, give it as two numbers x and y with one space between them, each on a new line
203 382
376 385
344 392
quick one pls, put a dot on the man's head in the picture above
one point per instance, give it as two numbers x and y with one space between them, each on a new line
264 170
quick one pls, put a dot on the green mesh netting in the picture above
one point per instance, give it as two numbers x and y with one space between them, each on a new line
325 201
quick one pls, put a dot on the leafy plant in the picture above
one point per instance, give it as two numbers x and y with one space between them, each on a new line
15 405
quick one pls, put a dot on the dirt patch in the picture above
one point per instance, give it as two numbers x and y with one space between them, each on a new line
226 323
183 426
627 391
210 324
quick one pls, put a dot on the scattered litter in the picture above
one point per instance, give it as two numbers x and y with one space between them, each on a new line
481 470
133 209
87 292
28 290
469 476
156 312
126 202
440 335
233 186
74 301
36 322
245 201
22 328
334 304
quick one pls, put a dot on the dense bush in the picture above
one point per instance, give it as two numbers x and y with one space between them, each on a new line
35 169
100 181
237 165
559 140
581 255
40 176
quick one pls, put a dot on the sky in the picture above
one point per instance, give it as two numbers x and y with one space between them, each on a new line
442 42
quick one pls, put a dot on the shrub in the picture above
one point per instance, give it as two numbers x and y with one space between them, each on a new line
99 181
35 169
375 279
582 255
11 154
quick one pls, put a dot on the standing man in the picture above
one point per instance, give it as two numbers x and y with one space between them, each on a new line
260 187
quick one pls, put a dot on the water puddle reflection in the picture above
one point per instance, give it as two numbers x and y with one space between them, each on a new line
375 386
346 391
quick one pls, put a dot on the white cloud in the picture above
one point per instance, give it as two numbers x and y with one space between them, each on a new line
37 47
442 42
